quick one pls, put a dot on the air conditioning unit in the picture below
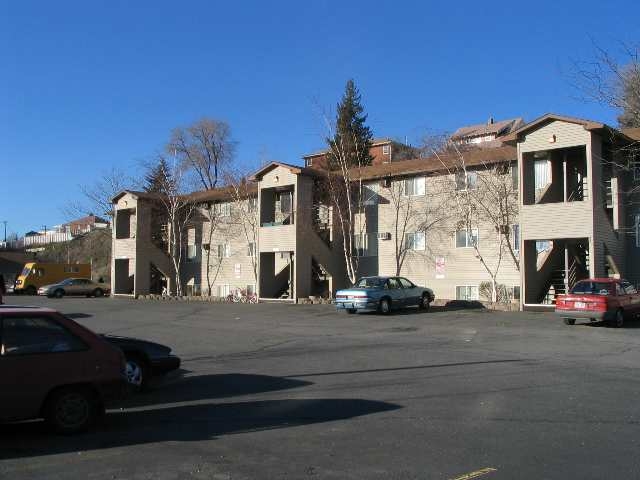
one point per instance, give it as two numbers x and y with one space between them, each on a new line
384 236
385 182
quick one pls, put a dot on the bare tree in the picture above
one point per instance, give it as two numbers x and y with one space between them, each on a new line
343 190
245 212
178 210
416 213
205 149
612 82
483 196
98 195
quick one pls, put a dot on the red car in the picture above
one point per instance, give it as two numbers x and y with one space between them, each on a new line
53 368
610 299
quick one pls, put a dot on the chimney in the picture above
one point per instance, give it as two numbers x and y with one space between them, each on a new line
490 121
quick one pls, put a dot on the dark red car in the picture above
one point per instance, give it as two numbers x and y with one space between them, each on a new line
53 368
610 299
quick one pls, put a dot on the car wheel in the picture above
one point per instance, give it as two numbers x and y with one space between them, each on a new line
569 321
98 292
58 293
385 306
31 290
618 319
351 311
137 372
424 302
72 409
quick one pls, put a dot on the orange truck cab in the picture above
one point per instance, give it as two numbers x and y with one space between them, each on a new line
35 275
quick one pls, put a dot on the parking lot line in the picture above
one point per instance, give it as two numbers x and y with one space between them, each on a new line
478 473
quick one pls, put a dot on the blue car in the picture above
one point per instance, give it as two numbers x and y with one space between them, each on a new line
383 294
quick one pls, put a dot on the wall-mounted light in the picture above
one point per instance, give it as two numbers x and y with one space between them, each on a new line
552 139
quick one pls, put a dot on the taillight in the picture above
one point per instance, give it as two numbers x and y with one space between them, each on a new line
341 296
361 295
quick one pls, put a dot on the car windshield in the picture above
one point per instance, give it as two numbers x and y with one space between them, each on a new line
370 282
593 288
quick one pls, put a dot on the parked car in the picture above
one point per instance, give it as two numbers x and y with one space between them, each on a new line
145 359
609 299
75 286
35 275
53 368
383 294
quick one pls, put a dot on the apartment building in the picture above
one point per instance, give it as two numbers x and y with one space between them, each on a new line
383 150
576 217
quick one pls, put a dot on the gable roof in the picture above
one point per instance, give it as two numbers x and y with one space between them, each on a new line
296 170
487 128
434 164
548 118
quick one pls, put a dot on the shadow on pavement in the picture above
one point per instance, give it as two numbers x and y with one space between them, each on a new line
205 387
184 424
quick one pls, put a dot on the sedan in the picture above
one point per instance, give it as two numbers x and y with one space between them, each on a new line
145 360
383 294
75 286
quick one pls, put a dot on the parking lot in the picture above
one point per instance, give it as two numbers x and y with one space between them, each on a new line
283 391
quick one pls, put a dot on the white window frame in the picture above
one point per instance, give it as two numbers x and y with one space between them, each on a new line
365 244
635 168
192 252
470 298
370 193
516 244
549 173
467 185
386 149
468 244
223 209
251 249
418 186
415 241
223 290
251 289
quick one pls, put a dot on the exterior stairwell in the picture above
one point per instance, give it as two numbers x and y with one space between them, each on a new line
160 259
326 261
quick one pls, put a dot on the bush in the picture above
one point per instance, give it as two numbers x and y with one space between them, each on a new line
502 292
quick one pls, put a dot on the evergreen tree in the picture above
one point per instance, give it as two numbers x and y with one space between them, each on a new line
157 176
352 139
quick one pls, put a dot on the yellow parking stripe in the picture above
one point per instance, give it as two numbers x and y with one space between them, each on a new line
476 474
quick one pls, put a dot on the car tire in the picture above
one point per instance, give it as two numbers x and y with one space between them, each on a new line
98 292
385 306
569 321
137 372
351 311
59 293
618 320
31 290
72 410
425 302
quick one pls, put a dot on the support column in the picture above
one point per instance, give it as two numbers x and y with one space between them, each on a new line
564 177
566 266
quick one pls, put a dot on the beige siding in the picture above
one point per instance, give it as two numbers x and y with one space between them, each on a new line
556 220
461 265
277 177
566 134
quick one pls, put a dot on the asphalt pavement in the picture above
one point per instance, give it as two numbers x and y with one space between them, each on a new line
292 392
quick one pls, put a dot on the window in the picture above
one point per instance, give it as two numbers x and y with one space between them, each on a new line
636 171
71 269
223 290
637 229
592 288
251 290
365 244
370 282
414 186
370 194
286 200
543 246
514 176
516 292
386 149
467 292
466 180
251 249
224 250
406 283
542 170
222 209
515 237
466 238
34 335
192 253
414 241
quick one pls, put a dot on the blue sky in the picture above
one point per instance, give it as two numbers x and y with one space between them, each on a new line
88 85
